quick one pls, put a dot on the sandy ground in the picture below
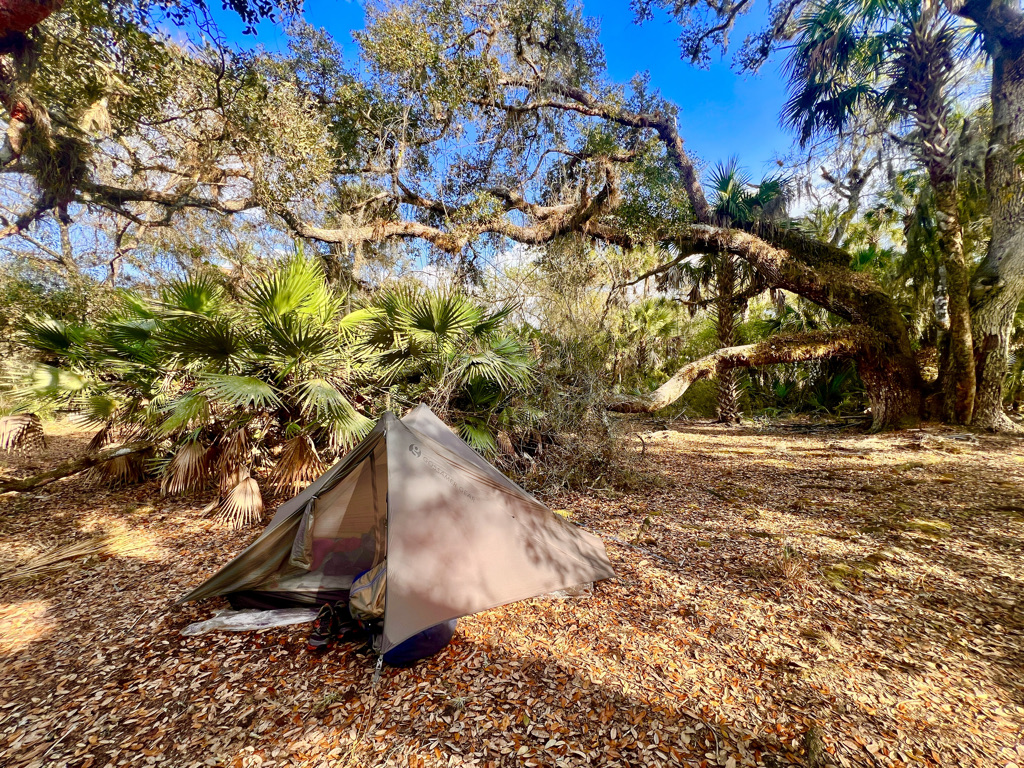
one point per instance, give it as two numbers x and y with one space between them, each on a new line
784 597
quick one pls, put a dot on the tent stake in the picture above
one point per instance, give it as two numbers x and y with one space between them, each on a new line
377 671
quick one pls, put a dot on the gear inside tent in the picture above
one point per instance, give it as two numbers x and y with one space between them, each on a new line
452 535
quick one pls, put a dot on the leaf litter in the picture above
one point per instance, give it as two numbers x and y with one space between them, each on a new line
783 597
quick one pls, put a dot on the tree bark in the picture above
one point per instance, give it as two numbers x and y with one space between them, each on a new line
72 467
893 384
998 286
999 282
958 374
928 72
725 286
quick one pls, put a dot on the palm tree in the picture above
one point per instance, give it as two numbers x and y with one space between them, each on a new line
897 62
646 329
231 386
735 201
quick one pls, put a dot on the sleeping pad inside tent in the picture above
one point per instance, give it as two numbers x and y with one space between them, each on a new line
455 534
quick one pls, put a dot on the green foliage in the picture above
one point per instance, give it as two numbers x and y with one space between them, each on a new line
279 366
446 349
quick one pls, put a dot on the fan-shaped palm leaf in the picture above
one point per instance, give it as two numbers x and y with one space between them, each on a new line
187 470
299 465
479 436
503 361
20 432
198 295
53 336
190 410
211 342
243 505
123 470
240 391
299 287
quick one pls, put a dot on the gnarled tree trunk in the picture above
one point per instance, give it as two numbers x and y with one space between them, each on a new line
999 283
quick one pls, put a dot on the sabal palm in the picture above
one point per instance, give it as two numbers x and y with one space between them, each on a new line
735 201
897 61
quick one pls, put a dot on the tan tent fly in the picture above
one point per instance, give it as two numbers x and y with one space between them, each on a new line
458 536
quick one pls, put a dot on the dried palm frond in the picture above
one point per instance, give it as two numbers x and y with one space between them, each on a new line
299 465
123 470
21 431
56 559
187 471
102 437
234 450
243 505
231 477
505 444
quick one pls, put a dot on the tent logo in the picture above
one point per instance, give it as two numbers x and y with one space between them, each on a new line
414 449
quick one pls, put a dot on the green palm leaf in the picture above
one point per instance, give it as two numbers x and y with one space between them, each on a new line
240 391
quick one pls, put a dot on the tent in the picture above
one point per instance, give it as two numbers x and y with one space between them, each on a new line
459 537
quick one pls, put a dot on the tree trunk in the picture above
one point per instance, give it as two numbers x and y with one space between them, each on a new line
958 375
892 379
72 467
999 282
894 389
725 321
928 74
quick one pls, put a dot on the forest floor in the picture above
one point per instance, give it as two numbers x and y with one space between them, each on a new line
785 596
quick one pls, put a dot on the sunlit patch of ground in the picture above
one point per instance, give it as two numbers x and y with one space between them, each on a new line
776 589
23 623
123 539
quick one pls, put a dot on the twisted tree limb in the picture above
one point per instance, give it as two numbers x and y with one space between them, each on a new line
845 342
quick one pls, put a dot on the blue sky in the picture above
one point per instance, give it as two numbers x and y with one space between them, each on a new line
721 113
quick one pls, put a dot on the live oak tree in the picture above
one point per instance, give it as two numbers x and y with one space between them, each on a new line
466 124
997 285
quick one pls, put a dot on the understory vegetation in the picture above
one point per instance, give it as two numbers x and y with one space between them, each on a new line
786 403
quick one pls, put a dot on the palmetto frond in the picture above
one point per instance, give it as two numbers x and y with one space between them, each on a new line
502 361
190 410
21 432
730 198
299 287
234 454
95 409
240 391
478 434
188 469
197 295
55 384
123 470
243 505
211 342
299 465
53 336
